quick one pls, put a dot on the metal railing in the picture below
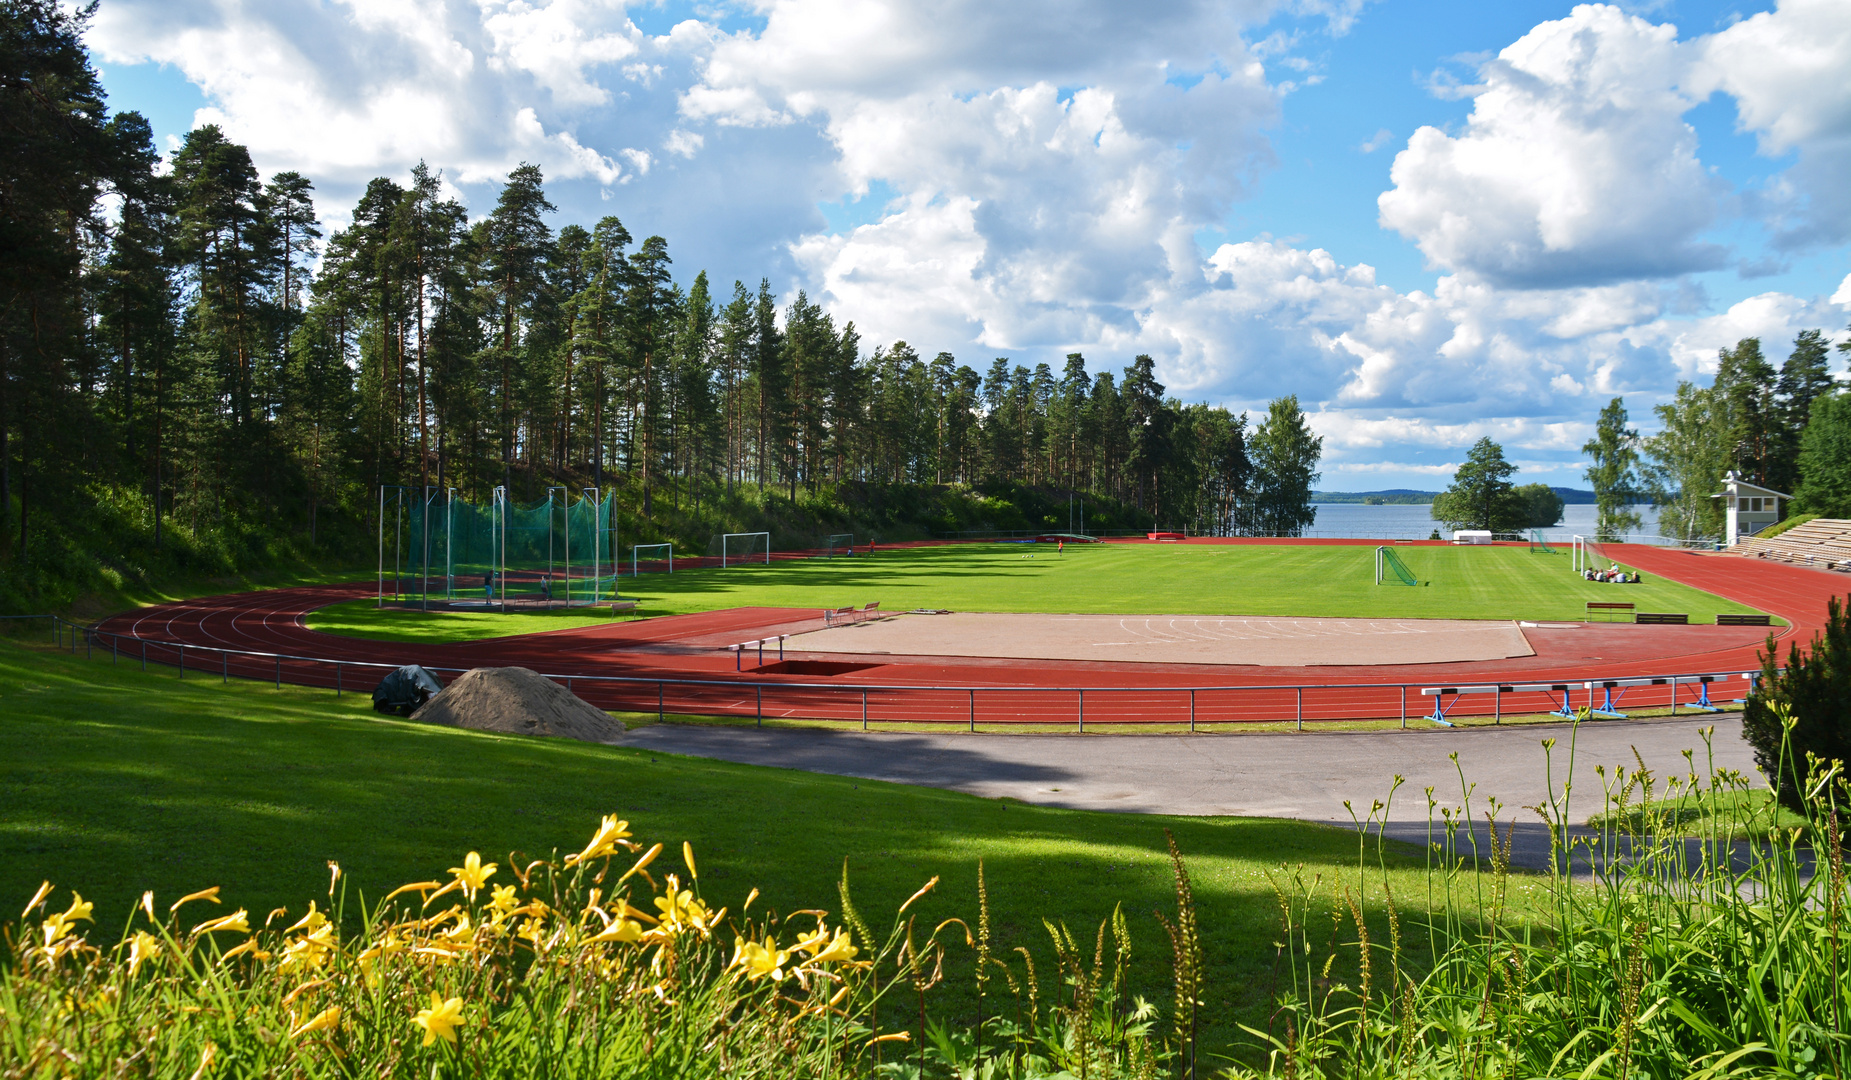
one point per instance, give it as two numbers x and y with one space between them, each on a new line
1198 708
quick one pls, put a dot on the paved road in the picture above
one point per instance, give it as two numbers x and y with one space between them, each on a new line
1306 776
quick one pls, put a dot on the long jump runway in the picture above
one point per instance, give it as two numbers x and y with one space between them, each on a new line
1130 684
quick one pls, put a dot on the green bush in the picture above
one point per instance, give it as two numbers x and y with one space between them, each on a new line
1814 693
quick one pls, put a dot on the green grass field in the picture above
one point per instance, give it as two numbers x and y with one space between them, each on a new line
1179 579
116 781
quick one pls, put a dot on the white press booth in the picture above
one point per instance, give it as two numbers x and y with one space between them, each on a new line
1750 507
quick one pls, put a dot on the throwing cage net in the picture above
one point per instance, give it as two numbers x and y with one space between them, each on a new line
1390 570
440 551
1539 544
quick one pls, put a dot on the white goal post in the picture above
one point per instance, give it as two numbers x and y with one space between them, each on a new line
637 558
738 548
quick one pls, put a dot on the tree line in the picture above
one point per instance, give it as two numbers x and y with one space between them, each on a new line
1788 429
188 338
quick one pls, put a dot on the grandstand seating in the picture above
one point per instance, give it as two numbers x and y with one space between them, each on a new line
1821 542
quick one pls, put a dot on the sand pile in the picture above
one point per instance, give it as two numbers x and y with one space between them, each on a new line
520 702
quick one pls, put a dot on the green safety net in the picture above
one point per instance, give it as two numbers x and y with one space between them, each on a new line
552 553
1540 543
1393 570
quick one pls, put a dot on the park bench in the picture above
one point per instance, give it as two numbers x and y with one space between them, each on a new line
1608 608
1662 618
872 611
831 616
619 606
1743 620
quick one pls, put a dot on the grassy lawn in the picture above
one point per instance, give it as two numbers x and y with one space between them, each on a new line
115 781
1180 579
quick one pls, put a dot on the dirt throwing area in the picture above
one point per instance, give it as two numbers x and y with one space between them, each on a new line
1174 639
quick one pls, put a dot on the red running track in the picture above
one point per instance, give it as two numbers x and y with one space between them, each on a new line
680 663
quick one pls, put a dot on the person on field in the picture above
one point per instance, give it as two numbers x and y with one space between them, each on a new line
1060 547
488 585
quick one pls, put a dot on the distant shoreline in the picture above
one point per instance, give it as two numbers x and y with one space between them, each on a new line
1407 497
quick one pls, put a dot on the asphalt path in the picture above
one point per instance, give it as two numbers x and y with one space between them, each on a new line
1307 776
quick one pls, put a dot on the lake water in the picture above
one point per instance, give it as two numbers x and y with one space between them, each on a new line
1416 522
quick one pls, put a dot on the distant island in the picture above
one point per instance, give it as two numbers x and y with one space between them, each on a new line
1410 497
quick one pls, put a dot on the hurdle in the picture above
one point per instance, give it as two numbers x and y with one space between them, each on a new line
1609 707
739 649
1441 707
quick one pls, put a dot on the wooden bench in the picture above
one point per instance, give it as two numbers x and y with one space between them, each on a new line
872 611
619 606
1744 620
1608 608
831 616
1662 618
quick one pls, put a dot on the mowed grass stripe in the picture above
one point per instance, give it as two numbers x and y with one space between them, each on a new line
1130 579
115 781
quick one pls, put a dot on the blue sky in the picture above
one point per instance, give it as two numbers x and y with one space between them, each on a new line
1431 221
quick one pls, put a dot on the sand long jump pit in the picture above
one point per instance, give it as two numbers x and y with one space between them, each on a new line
1173 639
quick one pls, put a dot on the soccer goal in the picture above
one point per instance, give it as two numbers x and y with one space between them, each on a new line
841 544
737 548
1539 544
1589 555
1390 570
660 558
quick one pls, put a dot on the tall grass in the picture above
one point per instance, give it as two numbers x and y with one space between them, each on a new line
1655 955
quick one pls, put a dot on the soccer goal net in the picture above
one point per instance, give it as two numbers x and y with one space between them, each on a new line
1390 570
1589 554
652 559
738 548
1539 543
841 544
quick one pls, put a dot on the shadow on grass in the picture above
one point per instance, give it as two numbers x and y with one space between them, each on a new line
116 782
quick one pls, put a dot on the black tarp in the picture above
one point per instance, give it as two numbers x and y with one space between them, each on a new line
402 691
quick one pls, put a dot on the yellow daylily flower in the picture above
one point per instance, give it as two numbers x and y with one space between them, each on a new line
681 911
472 874
687 856
839 949
504 901
621 929
326 1020
142 947
211 894
309 951
310 922
610 833
249 946
147 904
37 899
760 961
648 857
238 921
79 909
55 929
440 1020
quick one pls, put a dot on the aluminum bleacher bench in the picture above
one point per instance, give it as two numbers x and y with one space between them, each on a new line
1662 618
1608 608
1743 620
